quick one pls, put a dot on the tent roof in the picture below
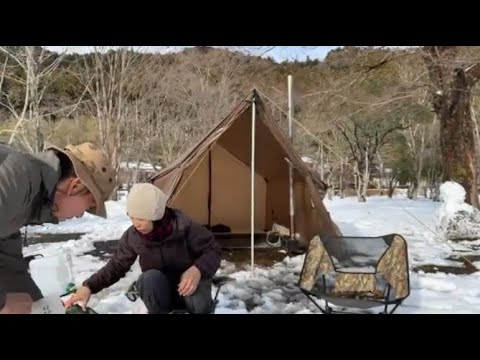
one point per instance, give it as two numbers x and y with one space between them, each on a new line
206 142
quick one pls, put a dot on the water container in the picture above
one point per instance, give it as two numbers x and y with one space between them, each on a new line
52 274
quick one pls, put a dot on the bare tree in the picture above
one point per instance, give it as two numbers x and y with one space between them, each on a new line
179 99
33 69
415 139
364 140
108 76
204 93
433 161
145 111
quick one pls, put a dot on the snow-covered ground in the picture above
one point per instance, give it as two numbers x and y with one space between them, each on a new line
273 289
140 165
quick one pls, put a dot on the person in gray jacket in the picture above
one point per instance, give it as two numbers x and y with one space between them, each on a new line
35 189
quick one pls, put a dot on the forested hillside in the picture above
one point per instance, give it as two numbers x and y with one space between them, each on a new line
369 117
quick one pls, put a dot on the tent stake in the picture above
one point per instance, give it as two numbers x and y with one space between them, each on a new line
290 166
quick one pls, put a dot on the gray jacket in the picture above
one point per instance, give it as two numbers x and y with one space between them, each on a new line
27 186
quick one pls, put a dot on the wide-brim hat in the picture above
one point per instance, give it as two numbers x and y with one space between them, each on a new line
92 167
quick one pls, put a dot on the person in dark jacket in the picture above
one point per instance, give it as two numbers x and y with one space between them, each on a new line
35 189
178 257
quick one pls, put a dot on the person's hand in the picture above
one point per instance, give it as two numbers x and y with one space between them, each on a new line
189 281
82 295
17 303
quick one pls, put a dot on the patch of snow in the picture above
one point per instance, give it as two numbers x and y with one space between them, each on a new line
308 160
457 220
135 165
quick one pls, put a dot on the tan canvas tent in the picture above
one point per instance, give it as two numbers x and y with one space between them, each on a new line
211 182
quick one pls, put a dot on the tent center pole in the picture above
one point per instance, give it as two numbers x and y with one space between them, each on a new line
290 166
252 186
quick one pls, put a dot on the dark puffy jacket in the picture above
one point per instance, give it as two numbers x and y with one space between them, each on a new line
188 244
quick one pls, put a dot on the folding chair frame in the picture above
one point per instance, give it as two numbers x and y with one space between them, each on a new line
327 309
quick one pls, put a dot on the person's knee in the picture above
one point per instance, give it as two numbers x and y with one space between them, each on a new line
154 290
151 278
200 302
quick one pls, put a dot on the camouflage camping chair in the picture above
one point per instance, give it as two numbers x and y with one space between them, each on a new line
356 272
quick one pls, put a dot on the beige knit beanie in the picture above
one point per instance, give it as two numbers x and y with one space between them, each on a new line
146 201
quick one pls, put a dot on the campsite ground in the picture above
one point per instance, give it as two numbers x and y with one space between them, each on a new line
441 281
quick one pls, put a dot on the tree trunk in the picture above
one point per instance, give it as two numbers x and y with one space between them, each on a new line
322 167
457 140
418 180
115 161
380 184
431 182
366 180
358 182
392 184
366 176
452 103
330 193
436 193
475 123
340 187
413 190
425 189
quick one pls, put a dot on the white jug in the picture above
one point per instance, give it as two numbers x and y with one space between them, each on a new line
52 274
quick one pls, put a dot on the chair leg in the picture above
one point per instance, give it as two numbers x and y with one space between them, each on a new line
215 299
214 306
327 310
395 307
218 282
